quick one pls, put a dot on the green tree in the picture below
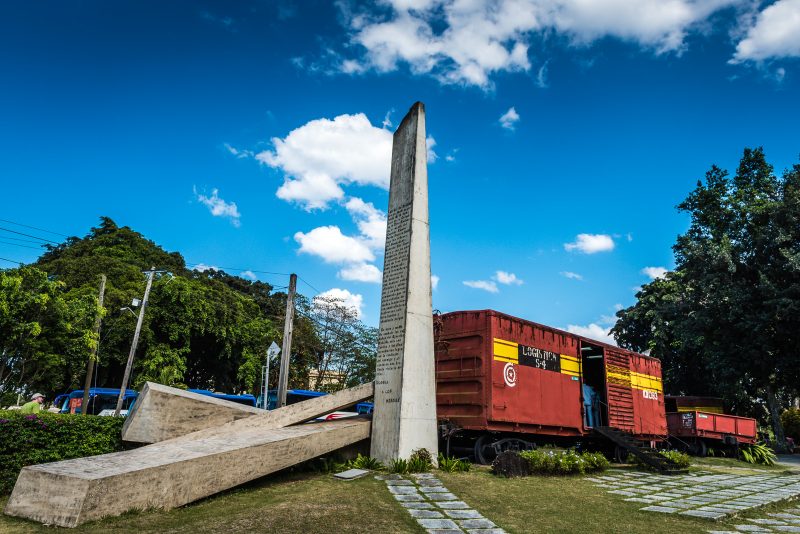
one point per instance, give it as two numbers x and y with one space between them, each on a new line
729 314
45 332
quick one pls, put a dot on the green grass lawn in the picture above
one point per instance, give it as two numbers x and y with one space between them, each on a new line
312 503
307 502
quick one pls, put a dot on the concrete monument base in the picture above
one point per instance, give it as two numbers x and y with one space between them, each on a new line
171 473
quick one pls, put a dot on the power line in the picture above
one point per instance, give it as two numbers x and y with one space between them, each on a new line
309 285
29 235
237 269
12 261
20 239
23 246
33 227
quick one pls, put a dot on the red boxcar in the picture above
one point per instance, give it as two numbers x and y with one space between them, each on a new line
695 423
514 381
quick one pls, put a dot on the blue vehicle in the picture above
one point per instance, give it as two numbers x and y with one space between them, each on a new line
101 401
292 396
298 395
246 399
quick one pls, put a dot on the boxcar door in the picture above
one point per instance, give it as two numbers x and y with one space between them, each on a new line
618 389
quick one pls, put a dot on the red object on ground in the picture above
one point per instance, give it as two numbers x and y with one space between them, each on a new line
499 373
712 426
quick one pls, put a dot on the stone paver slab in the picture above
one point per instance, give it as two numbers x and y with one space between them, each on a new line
463 514
438 524
425 514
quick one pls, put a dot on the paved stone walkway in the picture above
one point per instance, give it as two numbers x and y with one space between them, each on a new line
436 509
786 521
702 494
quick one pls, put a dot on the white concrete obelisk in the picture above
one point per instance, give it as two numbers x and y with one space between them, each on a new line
404 419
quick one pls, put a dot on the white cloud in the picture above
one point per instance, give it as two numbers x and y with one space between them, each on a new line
347 299
371 222
248 274
322 155
486 285
328 243
509 119
239 153
434 281
655 272
219 208
507 278
332 246
775 33
362 272
467 41
592 331
591 243
430 142
541 77
571 275
201 267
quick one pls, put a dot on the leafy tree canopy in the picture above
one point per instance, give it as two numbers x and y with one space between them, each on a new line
726 322
202 329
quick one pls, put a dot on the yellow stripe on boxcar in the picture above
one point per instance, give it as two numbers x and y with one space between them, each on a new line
506 351
570 365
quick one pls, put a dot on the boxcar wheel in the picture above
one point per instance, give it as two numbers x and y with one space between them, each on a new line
482 450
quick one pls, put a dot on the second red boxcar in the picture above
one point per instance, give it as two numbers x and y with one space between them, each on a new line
504 381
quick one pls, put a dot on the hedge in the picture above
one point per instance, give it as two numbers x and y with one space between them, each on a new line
46 437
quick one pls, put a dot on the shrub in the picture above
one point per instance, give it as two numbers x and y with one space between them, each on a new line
568 462
511 464
453 465
757 454
365 462
420 461
46 437
790 419
399 466
681 459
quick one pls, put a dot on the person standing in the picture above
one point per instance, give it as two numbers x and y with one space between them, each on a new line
34 406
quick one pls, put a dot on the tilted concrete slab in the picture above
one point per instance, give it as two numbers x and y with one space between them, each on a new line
171 473
162 412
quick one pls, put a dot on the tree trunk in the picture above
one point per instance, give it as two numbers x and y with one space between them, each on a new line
777 427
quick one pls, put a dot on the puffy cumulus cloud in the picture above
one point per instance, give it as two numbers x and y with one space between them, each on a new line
371 222
354 252
485 285
353 301
775 33
361 272
330 244
571 275
592 331
591 243
466 42
507 278
509 119
248 274
202 267
654 272
219 208
322 155
434 281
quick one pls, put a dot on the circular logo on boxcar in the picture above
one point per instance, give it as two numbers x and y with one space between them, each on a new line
510 375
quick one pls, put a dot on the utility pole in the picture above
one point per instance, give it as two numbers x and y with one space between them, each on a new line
93 356
283 376
150 275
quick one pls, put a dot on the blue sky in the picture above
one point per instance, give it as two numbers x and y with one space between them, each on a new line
256 135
